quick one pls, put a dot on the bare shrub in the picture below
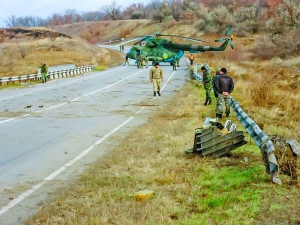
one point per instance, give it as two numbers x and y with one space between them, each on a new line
263 48
23 49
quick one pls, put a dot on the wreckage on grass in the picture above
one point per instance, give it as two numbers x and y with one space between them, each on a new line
286 152
216 140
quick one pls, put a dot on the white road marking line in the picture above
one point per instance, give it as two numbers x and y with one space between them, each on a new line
73 100
34 188
41 89
165 84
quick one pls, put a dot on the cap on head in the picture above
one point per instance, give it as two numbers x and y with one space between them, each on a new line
203 68
224 70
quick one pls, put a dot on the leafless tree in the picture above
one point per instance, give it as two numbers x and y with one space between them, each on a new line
71 16
112 11
92 16
136 11
176 7
11 21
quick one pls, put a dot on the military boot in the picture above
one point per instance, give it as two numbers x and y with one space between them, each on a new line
218 115
206 101
227 114
154 93
158 93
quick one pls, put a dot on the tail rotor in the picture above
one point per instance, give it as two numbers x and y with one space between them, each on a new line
228 38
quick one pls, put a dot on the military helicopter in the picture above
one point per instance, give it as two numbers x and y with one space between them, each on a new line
164 50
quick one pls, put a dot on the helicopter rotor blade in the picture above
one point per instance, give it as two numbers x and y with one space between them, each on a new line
221 39
134 39
228 32
169 35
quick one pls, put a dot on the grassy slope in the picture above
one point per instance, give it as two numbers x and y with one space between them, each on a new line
189 190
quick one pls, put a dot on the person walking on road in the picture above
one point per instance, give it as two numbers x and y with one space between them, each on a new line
191 58
225 86
44 71
207 85
156 77
126 60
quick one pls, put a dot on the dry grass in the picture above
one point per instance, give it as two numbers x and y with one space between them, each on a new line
188 189
58 52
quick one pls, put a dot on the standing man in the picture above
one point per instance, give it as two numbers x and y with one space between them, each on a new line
174 63
126 60
141 59
207 85
191 58
146 61
225 86
177 61
213 80
156 77
44 71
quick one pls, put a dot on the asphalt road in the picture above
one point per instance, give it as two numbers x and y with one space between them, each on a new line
50 133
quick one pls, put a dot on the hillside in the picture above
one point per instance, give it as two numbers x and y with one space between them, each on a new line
104 31
22 50
196 190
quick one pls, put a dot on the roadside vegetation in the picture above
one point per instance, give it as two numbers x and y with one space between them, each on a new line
188 189
22 54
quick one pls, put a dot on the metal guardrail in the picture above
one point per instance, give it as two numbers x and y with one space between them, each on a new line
261 139
196 74
51 75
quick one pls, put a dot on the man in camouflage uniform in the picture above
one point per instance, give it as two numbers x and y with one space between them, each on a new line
213 81
146 61
207 85
156 77
174 63
126 60
44 71
140 61
225 86
177 61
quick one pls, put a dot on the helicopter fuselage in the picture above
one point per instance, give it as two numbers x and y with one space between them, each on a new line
163 50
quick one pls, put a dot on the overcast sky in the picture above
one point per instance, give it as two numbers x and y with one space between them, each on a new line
45 8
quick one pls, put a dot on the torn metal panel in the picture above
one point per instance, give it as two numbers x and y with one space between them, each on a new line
217 140
294 145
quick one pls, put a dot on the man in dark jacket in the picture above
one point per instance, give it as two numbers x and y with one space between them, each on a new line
225 86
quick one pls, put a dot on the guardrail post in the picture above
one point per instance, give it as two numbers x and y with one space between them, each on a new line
50 75
261 139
